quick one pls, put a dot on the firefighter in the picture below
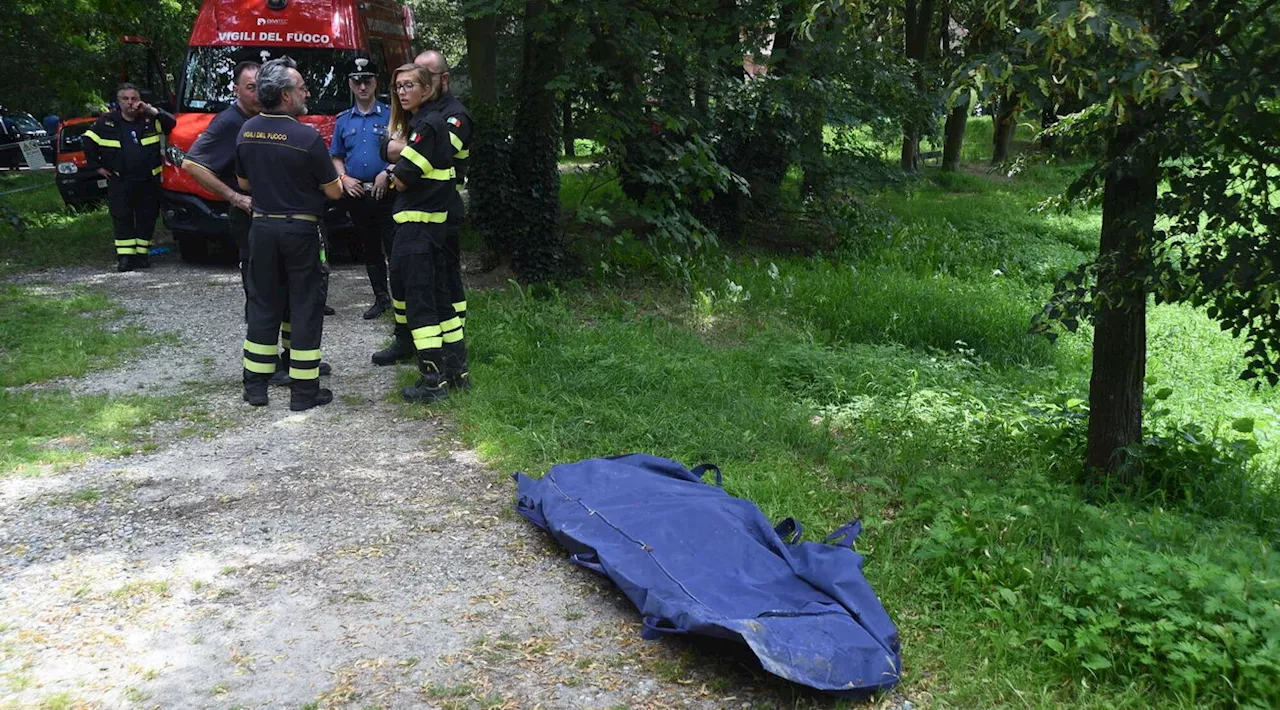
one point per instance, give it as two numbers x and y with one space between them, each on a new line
458 122
125 145
285 167
211 160
367 197
424 180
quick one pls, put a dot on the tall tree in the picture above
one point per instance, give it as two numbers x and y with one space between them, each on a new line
539 254
1183 92
919 24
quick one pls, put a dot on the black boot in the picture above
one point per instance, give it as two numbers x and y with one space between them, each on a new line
142 261
255 390
399 351
455 366
305 394
431 385
381 296
124 262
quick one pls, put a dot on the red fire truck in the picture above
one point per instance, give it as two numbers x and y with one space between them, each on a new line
321 35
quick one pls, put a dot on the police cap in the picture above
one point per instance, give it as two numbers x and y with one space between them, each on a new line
360 67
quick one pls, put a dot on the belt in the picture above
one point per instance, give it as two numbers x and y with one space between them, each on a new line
304 217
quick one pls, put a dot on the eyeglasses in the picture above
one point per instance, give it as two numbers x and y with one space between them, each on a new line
406 85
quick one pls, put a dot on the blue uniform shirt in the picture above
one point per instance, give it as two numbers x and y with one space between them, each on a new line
355 140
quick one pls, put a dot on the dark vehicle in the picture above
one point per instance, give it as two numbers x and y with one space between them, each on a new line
78 181
16 127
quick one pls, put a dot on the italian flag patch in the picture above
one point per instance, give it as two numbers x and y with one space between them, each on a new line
453 120
413 137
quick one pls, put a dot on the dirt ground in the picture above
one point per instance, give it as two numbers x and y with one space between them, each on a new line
347 556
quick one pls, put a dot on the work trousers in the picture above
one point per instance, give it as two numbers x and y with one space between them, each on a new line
374 230
239 222
420 293
134 207
453 258
286 296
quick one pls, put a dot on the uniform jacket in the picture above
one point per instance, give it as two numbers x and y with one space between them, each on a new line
457 119
109 133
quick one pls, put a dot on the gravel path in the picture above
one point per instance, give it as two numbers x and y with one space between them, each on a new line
348 556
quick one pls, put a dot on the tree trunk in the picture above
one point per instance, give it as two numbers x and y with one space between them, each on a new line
1120 318
1003 126
482 57
539 254
566 125
918 18
489 177
953 136
1048 117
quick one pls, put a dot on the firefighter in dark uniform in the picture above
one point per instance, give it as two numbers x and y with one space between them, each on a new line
458 122
367 195
424 180
285 167
212 160
125 145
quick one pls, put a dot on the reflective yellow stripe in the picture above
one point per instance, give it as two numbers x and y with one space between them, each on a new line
426 331
141 250
310 373
456 141
284 343
398 304
401 319
104 142
429 171
418 216
453 336
126 242
462 154
156 170
158 129
149 140
265 368
124 251
259 348
451 324
305 355
285 327
460 306
428 343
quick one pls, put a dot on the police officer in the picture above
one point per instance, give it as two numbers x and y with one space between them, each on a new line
457 120
285 166
367 197
211 160
125 145
424 181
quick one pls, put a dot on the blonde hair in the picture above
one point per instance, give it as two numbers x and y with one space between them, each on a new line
399 125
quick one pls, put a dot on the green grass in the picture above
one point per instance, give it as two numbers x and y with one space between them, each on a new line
54 235
892 380
45 335
43 428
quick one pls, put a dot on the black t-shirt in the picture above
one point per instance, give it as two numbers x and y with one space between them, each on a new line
286 164
215 149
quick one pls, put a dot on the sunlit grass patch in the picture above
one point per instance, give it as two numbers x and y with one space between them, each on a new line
41 429
46 335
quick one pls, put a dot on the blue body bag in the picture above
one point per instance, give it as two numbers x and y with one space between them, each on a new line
695 560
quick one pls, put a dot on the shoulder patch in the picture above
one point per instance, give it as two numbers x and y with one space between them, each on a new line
413 137
343 112
453 121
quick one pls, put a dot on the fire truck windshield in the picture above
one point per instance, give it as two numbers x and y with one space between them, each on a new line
206 86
